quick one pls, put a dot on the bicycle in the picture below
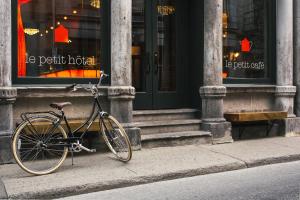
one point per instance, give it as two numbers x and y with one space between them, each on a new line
40 144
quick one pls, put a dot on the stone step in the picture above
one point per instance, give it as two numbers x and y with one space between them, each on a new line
158 115
176 139
155 127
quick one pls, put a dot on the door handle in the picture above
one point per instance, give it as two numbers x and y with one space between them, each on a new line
156 61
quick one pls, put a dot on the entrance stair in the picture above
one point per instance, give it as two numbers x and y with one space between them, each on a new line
172 127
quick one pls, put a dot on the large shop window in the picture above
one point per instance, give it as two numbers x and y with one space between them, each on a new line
59 39
247 42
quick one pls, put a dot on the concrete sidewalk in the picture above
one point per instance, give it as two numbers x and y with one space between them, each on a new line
97 172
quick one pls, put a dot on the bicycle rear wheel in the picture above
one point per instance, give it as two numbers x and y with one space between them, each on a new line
37 145
116 138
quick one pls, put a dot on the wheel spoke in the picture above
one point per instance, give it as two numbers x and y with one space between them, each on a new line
52 133
29 149
54 153
26 137
46 132
28 153
32 130
36 155
55 150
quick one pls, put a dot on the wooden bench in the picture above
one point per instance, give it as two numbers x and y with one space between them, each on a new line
242 119
73 123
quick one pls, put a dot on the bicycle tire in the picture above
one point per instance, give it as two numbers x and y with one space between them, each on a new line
116 138
38 137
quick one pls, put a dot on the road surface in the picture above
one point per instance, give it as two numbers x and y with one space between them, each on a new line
273 182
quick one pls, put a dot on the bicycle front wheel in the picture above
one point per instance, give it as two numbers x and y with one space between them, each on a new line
116 138
38 145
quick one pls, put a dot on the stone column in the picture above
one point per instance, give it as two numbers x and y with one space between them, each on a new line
213 91
297 54
7 93
285 91
292 125
121 93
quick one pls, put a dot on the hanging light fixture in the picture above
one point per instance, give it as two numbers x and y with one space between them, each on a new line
61 34
95 3
31 31
165 10
225 25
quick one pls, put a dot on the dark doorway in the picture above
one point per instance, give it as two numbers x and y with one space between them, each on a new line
159 55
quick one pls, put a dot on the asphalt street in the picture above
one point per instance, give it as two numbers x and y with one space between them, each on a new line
272 182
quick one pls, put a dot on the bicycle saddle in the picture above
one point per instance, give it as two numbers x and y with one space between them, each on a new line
61 105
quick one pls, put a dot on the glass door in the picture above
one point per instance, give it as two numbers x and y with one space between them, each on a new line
157 61
141 54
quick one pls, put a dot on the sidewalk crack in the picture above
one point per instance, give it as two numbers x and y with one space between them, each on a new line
224 154
131 170
3 192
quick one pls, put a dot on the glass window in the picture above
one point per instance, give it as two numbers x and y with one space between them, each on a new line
59 38
245 39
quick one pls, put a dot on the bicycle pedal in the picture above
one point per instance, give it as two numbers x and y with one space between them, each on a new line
93 151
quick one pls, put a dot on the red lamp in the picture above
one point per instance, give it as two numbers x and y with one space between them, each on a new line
61 34
246 45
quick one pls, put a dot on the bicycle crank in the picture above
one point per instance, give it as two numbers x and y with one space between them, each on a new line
77 147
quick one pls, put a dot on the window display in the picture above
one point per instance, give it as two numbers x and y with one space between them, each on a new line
244 39
59 38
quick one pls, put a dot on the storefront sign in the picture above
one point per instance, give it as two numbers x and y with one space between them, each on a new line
60 60
244 65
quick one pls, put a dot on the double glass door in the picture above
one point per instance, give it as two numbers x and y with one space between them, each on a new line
157 54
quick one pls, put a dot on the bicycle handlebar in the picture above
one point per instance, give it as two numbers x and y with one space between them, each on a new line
71 86
102 76
91 87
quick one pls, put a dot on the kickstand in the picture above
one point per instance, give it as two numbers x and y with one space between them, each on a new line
72 154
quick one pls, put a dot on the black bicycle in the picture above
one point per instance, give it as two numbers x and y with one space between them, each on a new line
40 144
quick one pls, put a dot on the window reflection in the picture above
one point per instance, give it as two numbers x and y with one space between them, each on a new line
244 39
59 38
166 44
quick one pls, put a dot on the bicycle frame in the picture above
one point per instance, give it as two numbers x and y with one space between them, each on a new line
97 111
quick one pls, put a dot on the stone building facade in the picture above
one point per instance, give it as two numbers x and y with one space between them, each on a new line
163 55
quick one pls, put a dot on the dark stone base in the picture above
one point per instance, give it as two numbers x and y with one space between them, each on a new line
95 140
5 150
256 131
291 127
134 135
221 132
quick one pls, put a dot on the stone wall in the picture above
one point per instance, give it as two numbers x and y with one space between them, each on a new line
249 98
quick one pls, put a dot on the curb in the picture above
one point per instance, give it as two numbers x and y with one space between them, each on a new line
275 160
3 193
101 186
120 183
